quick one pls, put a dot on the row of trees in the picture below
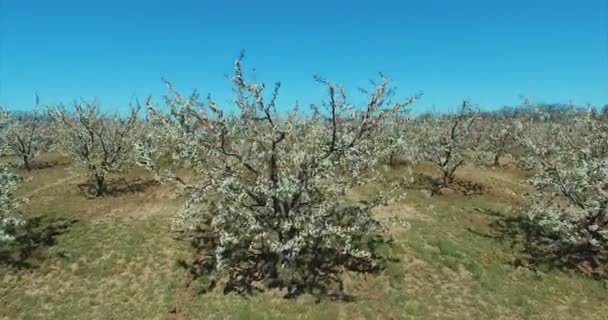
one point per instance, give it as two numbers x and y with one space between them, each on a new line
269 187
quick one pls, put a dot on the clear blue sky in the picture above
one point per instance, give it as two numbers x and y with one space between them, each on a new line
488 51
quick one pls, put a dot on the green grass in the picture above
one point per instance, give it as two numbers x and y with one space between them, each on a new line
119 261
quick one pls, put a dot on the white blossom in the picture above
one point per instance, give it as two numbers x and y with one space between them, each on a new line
270 188
98 144
570 209
24 136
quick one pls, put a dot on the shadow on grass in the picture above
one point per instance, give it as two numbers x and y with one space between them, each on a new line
435 186
38 233
470 188
318 273
39 165
119 187
536 249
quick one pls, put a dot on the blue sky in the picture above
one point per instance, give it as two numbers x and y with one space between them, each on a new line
488 51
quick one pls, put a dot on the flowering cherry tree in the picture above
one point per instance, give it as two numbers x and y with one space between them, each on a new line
569 213
25 136
500 136
98 144
270 188
448 141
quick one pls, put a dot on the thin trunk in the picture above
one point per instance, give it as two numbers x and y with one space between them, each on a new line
447 180
26 163
497 160
100 186
392 160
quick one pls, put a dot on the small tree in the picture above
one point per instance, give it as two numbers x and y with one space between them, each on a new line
499 137
569 214
270 192
98 144
448 141
395 136
25 136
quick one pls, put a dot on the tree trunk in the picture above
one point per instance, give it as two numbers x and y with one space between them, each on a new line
447 179
26 163
100 187
393 159
497 160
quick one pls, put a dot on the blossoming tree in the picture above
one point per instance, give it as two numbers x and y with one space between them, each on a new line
99 145
569 212
448 141
25 136
270 188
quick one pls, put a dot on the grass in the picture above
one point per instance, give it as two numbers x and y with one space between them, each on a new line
117 259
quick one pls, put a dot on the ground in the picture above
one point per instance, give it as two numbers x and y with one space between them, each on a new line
116 258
